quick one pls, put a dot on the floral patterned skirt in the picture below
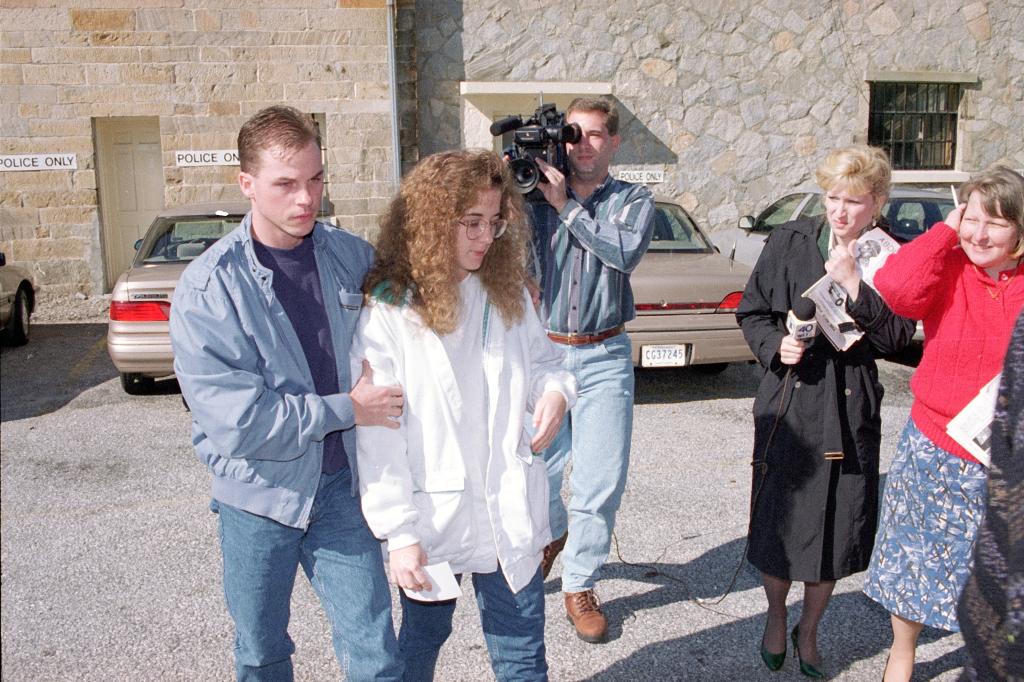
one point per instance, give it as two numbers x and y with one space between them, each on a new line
933 505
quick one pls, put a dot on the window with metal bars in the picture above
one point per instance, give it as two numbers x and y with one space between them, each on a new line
915 123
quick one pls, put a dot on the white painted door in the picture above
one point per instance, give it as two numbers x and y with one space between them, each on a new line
131 185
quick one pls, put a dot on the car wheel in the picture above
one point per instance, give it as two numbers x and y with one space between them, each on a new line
712 368
16 333
136 384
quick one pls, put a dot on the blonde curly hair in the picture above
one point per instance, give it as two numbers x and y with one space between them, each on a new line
416 243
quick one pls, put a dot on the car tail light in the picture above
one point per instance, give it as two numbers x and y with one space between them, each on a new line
726 305
665 305
730 303
140 311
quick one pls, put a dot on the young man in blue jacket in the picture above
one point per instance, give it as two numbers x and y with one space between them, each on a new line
261 326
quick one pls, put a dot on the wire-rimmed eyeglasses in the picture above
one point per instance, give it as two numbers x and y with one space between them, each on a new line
475 227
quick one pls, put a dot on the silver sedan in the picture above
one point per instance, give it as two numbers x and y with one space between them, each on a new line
686 295
138 336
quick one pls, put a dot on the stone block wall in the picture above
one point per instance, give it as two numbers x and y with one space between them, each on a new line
202 67
737 100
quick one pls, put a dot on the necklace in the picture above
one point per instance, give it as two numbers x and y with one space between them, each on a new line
997 289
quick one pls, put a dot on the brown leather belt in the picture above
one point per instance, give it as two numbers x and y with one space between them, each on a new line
584 339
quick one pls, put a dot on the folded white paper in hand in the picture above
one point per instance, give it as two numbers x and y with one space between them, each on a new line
830 311
443 585
972 427
871 251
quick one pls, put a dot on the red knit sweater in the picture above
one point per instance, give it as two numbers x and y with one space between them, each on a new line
966 329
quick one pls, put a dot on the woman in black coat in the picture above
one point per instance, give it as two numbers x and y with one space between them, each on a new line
817 422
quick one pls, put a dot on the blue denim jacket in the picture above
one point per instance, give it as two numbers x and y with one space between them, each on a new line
257 422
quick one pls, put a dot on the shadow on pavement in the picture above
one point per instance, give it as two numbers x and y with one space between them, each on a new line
854 628
59 363
690 384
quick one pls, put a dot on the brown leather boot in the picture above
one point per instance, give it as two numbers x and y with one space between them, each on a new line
584 613
550 552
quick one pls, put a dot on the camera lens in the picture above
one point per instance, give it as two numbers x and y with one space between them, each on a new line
525 174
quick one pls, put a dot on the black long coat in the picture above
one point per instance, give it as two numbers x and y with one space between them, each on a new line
813 519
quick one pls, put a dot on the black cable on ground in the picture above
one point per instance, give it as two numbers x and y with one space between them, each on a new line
760 464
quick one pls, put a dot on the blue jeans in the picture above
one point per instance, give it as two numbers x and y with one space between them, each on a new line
513 625
596 434
344 564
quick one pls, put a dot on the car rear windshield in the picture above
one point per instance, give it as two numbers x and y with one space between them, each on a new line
911 216
675 232
175 240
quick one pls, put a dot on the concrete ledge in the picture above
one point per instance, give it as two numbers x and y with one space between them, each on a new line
577 89
930 176
507 97
922 76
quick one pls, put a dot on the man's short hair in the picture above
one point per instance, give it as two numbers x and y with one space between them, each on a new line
599 104
281 127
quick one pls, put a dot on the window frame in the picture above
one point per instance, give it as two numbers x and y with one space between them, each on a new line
916 123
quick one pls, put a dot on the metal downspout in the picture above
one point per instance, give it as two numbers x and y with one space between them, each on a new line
396 157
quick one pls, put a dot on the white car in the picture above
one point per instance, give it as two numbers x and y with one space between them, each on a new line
909 213
17 302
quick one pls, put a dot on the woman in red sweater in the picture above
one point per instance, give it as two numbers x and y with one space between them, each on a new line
964 280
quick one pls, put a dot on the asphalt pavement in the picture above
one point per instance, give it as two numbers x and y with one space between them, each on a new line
111 571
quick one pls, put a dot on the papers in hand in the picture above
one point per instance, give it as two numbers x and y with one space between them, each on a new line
830 311
972 427
443 584
871 250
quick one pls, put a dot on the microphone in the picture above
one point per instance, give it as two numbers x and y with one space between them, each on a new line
800 321
503 125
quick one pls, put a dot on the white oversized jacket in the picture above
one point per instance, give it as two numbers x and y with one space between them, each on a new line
412 479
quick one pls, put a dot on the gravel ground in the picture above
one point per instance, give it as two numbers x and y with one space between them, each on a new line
111 570
76 309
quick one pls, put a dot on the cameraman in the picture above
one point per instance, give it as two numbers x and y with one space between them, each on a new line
589 234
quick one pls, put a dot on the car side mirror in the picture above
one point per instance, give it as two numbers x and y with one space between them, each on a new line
138 243
3 258
747 223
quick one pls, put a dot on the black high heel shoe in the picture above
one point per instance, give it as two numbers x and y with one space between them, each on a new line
772 661
806 668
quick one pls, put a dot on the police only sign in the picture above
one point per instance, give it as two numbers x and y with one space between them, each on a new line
37 162
207 157
640 175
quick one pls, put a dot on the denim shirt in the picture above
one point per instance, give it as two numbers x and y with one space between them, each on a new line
586 252
257 422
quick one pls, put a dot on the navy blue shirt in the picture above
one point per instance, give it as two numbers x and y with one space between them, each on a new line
297 286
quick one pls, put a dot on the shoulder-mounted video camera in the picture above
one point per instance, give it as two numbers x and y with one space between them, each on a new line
542 136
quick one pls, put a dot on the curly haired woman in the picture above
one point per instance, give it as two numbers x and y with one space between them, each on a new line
456 479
